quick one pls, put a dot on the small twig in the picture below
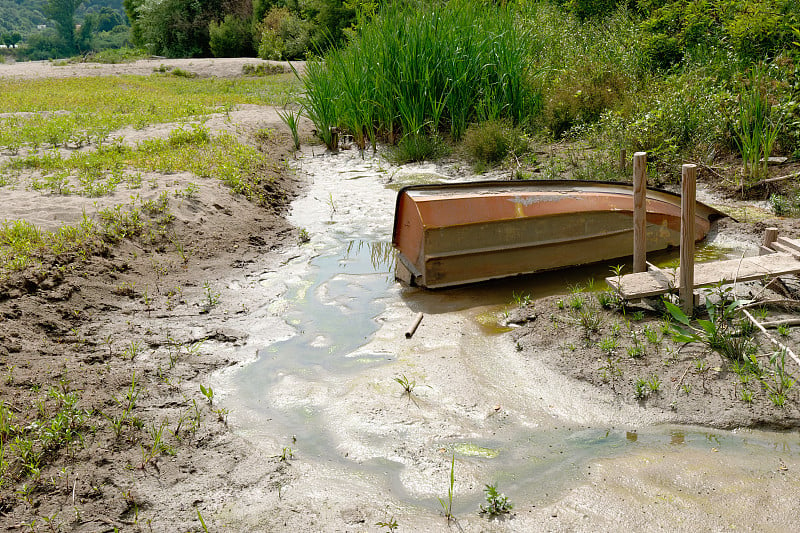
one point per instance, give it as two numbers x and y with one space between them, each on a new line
680 381
773 341
785 322
763 303
772 180
717 174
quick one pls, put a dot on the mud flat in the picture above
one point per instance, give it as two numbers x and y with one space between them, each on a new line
569 453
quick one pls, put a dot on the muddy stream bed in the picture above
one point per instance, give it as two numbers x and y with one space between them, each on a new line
319 389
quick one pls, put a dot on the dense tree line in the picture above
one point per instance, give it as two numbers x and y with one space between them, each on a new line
43 29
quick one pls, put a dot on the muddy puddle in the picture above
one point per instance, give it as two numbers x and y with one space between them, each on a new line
324 392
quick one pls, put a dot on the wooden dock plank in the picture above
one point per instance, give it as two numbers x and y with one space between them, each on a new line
646 284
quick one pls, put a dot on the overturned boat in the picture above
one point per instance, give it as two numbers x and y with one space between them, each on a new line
468 232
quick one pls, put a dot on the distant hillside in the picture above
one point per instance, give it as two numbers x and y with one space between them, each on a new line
23 16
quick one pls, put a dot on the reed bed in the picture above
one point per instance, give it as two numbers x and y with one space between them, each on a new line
426 71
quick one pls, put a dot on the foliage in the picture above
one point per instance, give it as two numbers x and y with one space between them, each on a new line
177 28
491 141
749 29
497 504
433 69
284 35
756 126
717 332
231 38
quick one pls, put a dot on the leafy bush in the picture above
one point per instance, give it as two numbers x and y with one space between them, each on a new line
175 28
232 37
750 29
587 9
284 35
581 96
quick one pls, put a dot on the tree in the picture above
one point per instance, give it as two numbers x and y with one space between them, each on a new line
132 10
63 14
178 28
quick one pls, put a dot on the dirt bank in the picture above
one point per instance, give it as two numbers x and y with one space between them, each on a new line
111 348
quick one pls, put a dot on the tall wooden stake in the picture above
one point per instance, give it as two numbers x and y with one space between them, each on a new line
640 212
688 193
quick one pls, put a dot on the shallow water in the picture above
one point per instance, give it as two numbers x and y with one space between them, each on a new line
328 391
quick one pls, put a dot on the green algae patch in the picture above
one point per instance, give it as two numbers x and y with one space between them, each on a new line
473 450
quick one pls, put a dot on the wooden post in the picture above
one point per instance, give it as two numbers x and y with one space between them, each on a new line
770 236
640 212
688 193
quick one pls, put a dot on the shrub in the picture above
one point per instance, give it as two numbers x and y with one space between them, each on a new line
491 141
231 38
580 97
283 35
416 147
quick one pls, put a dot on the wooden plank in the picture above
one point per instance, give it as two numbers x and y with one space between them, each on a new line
778 247
794 244
645 284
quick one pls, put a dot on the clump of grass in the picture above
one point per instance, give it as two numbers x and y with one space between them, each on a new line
489 142
756 127
292 120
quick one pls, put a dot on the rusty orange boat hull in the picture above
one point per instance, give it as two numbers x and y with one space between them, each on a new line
469 232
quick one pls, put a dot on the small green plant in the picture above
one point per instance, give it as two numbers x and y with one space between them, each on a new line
607 299
447 507
521 299
133 349
497 504
407 384
651 335
715 332
609 345
200 518
208 393
783 330
640 389
303 236
211 297
390 524
576 300
590 320
286 454
636 349
292 120
654 383
747 396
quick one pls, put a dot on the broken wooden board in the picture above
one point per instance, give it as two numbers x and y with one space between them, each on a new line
646 284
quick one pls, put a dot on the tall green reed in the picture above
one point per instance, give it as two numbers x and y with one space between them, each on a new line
756 127
424 71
